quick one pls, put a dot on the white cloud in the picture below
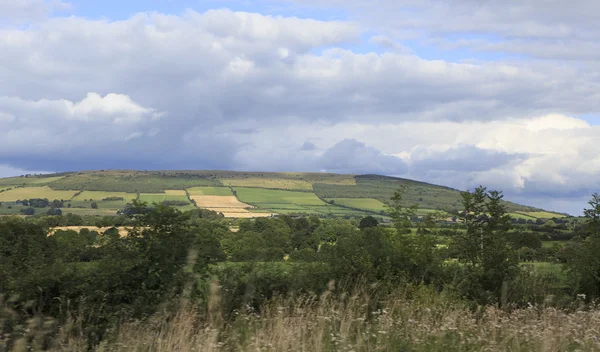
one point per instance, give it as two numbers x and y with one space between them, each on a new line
27 10
224 89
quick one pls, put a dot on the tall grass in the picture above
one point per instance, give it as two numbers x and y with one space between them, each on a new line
407 320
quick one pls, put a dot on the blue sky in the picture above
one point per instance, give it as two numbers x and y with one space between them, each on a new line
501 94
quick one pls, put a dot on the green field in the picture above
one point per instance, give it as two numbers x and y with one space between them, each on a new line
541 214
370 204
256 196
209 191
161 197
290 202
550 244
522 216
35 192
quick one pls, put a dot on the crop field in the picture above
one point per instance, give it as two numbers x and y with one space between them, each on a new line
210 191
34 192
88 211
541 214
123 231
256 196
290 202
230 206
522 216
169 195
371 204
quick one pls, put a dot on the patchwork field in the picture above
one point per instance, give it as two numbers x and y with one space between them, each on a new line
269 183
290 202
209 191
35 192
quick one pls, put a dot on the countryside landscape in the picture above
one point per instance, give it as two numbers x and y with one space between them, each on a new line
299 176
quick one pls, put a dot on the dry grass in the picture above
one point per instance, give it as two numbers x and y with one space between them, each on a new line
425 322
230 206
219 202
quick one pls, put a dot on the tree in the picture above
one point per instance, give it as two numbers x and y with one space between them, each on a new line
368 221
483 248
94 205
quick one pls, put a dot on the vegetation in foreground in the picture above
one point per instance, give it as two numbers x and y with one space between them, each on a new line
184 281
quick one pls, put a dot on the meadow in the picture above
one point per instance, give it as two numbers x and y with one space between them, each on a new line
209 191
35 192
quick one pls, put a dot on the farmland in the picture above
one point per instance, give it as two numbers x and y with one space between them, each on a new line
34 192
209 191
284 193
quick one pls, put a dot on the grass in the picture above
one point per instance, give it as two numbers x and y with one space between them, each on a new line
133 181
522 216
542 214
370 204
550 244
98 196
209 191
160 197
35 192
32 180
407 320
257 196
90 211
271 183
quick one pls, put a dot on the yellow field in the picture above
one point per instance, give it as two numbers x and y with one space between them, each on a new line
35 192
219 202
230 206
541 214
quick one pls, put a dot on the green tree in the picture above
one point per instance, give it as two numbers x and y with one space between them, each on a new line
368 221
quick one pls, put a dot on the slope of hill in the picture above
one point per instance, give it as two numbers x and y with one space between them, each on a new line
256 193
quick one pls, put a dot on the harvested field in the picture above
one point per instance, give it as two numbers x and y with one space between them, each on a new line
34 192
230 206
219 202
540 214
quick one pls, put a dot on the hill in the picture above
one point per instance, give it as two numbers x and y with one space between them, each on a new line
236 194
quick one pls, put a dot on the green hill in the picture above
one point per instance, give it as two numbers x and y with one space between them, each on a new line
286 193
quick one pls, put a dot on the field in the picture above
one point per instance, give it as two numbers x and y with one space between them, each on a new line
35 192
169 195
269 183
35 180
541 214
370 204
230 206
131 181
283 192
122 230
290 202
209 191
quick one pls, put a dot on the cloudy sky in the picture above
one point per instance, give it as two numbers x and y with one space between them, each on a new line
460 93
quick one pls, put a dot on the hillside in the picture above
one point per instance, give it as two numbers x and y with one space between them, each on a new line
236 194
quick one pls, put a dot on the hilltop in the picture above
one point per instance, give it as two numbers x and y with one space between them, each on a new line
235 193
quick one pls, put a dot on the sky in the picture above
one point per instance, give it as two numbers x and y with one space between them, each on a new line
462 93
